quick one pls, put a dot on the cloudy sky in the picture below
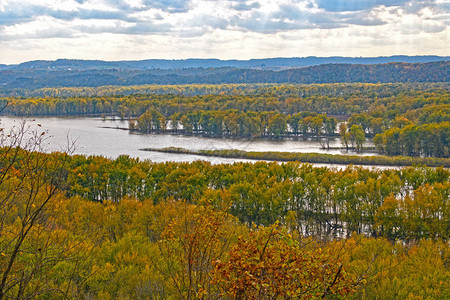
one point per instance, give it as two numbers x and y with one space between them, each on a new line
225 29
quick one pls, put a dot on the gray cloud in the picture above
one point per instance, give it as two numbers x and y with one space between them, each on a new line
21 14
85 14
18 13
172 6
142 28
148 28
245 5
210 21
427 28
41 34
271 26
415 6
192 32
291 12
365 22
25 13
355 5
291 17
273 22
119 4
362 18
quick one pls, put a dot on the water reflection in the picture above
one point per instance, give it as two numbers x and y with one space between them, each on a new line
94 136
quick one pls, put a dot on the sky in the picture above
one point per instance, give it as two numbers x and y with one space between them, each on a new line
224 29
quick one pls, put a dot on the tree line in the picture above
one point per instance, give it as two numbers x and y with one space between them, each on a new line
325 201
235 123
329 89
380 100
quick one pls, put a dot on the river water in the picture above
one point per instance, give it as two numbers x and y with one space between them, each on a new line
109 138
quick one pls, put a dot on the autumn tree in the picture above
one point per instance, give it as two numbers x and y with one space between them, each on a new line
192 239
277 125
345 135
357 136
270 264
30 241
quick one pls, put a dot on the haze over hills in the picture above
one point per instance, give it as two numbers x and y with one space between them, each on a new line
68 73
266 63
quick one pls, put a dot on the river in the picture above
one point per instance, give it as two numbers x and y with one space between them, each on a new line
109 138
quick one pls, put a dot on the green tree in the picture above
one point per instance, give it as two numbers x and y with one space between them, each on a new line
357 136
345 135
277 125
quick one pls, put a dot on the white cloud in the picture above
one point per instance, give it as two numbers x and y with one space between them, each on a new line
140 29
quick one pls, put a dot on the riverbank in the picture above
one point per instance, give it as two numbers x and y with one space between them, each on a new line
401 161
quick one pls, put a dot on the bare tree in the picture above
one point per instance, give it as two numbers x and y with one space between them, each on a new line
30 242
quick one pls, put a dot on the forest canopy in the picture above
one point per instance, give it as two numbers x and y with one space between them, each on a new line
107 229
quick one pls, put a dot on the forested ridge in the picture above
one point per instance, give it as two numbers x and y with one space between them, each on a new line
328 73
276 63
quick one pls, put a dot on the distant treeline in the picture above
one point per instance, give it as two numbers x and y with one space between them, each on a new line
385 101
328 73
335 89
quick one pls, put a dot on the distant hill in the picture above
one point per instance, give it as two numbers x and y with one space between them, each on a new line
265 64
35 77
